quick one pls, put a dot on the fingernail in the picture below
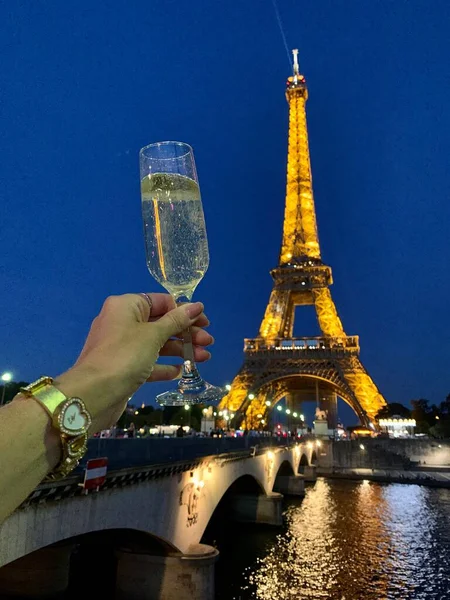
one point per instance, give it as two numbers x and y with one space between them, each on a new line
194 310
209 355
212 340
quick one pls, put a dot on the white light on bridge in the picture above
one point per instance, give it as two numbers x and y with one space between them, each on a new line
267 402
362 446
295 414
288 412
251 396
186 407
228 387
279 408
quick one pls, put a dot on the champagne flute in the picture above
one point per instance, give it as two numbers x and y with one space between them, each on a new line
176 247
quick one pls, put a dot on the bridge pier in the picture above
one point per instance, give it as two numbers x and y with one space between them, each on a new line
253 508
290 485
41 574
144 577
310 473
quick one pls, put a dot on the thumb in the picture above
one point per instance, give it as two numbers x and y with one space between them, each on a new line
177 320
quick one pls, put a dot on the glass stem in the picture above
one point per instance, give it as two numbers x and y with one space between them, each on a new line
190 377
188 348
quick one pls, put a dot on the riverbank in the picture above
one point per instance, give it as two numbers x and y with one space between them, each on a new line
430 478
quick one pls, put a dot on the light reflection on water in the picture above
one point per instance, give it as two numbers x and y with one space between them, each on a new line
359 541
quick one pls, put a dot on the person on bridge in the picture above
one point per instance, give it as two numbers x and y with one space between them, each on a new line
118 357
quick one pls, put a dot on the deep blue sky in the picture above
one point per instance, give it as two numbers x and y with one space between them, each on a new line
84 85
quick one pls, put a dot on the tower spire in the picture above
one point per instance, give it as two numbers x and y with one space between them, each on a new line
300 238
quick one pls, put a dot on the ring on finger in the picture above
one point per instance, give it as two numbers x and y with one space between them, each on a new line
149 301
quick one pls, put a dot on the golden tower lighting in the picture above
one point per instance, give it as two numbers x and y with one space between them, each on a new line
276 364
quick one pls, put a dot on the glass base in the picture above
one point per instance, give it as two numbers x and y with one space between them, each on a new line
192 389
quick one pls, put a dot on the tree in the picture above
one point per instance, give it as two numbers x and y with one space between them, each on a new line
444 408
392 409
11 389
424 414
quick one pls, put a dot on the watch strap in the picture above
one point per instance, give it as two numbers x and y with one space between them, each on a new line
73 447
48 396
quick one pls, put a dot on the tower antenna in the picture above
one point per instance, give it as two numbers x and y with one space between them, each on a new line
295 66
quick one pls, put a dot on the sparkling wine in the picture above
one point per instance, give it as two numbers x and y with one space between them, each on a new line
174 232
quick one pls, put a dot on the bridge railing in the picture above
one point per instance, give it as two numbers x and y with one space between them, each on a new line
132 461
123 453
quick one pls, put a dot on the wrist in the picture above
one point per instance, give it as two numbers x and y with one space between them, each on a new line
94 388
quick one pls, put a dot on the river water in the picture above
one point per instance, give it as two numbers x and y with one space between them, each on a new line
344 540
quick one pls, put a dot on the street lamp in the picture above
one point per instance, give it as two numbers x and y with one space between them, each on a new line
187 407
6 378
228 387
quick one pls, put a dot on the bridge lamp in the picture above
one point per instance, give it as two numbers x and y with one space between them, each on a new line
228 387
302 417
136 412
205 410
186 407
251 396
288 412
318 443
279 408
263 422
259 416
232 416
220 413
268 402
295 414
227 418
215 414
362 446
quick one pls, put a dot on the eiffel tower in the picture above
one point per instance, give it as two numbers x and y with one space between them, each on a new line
276 364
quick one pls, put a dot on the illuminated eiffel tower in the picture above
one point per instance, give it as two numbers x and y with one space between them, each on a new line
276 364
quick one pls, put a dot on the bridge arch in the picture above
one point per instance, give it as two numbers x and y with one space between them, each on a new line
303 463
313 458
285 469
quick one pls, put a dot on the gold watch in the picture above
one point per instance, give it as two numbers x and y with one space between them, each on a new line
69 416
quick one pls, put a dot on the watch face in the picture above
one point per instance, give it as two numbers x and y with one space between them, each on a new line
74 418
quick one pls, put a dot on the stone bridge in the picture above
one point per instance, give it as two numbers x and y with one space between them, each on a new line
150 515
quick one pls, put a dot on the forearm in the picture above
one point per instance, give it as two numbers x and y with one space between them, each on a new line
29 449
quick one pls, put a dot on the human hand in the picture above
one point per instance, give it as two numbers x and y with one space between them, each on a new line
122 348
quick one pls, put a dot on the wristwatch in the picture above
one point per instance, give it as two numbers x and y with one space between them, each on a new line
69 416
